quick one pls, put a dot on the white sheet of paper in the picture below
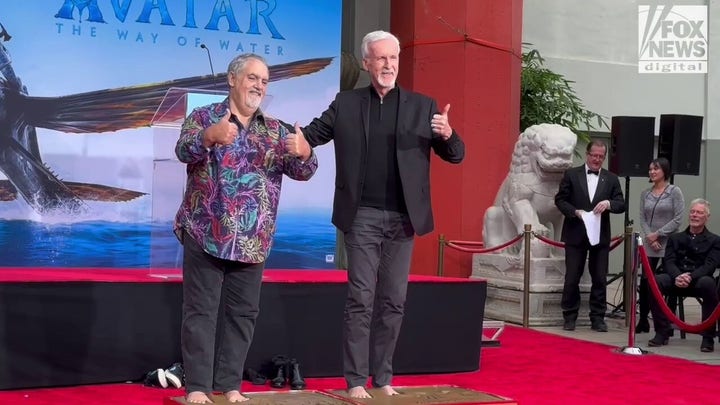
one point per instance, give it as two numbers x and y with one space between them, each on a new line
592 226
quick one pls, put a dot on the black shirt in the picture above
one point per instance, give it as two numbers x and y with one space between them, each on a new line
382 187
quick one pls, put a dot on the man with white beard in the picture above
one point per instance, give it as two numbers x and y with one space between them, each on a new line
236 156
383 136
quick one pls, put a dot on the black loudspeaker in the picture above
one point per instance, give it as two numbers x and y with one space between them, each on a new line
680 139
631 145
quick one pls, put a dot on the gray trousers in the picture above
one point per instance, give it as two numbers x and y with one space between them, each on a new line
379 247
221 300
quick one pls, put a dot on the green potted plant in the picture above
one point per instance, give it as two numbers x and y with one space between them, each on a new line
548 97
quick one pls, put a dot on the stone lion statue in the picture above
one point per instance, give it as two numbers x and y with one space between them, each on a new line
527 195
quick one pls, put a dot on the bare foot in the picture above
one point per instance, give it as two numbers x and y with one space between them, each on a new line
358 392
197 397
234 396
388 390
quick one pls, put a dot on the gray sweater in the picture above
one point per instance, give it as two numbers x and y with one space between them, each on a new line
661 214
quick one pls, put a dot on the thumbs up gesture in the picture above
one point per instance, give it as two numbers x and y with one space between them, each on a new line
296 145
223 132
441 124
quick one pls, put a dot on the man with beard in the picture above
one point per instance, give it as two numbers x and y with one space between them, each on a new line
236 156
383 136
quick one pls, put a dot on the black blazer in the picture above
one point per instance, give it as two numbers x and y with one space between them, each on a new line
699 255
346 121
573 195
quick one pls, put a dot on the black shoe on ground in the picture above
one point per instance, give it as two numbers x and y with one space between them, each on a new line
281 367
707 345
599 326
254 377
569 325
643 326
156 378
175 375
658 340
297 382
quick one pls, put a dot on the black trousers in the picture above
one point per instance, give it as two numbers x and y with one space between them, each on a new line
704 288
644 289
379 247
575 258
221 301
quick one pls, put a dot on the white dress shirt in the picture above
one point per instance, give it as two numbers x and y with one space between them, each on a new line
592 182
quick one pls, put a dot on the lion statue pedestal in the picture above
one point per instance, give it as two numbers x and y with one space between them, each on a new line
527 196
504 275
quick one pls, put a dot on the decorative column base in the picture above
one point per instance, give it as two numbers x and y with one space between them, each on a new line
504 275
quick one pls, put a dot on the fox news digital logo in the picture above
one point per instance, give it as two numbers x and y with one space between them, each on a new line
672 39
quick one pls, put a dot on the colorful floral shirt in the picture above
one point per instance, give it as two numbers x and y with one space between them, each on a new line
232 191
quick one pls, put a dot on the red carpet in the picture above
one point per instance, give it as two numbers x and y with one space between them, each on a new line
47 274
530 367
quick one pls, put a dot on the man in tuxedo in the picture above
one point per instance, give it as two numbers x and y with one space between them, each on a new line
383 137
583 189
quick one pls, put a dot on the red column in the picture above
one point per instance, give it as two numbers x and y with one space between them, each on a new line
466 53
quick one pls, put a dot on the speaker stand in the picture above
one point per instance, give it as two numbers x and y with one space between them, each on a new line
619 310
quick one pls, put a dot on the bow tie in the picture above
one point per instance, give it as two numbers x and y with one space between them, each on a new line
595 172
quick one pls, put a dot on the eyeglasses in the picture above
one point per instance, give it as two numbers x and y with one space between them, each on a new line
596 155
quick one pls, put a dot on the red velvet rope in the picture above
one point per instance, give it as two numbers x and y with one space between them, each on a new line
616 241
466 242
548 241
488 250
663 306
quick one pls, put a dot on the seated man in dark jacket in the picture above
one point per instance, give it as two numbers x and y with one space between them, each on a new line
690 260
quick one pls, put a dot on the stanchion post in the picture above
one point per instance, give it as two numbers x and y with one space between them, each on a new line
628 273
441 254
631 252
526 276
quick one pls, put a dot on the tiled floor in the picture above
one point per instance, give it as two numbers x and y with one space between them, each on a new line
688 348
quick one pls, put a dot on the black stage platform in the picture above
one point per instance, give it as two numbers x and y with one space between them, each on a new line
85 327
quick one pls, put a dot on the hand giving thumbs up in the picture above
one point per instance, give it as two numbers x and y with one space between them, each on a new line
296 145
441 124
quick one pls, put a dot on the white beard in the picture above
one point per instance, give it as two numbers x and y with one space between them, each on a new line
253 102
385 83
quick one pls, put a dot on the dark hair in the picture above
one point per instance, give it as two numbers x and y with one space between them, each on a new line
664 165
595 142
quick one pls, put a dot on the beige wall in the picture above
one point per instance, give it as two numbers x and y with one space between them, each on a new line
594 43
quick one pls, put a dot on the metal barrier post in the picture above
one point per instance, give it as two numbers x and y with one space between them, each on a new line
630 288
628 273
526 276
441 254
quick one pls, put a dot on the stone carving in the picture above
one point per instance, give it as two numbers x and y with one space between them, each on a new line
527 195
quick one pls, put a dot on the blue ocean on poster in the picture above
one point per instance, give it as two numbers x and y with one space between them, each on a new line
153 244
